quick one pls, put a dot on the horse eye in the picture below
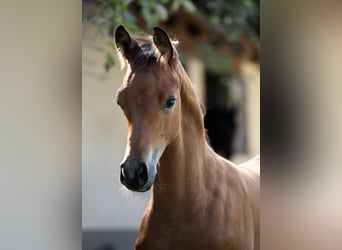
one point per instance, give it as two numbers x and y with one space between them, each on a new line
170 102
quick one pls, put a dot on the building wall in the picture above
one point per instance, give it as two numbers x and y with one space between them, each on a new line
251 77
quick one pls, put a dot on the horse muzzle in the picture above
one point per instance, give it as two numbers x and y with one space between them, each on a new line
135 176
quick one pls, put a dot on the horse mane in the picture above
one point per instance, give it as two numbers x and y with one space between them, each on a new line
145 53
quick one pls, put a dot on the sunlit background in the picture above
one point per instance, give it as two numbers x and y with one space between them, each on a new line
219 48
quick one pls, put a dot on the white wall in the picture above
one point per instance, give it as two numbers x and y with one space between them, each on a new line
104 205
251 76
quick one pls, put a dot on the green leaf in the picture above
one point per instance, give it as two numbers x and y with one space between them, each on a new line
162 12
189 6
175 5
110 62
129 17
248 4
111 29
215 20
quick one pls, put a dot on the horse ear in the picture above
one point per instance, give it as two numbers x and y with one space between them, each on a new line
163 43
123 41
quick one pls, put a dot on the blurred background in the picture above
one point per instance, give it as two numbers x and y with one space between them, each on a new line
219 48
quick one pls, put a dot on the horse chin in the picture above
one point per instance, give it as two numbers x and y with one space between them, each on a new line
147 186
144 189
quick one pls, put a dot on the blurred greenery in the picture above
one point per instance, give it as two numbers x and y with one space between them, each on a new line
233 17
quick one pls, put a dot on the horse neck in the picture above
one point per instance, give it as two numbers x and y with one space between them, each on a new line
180 170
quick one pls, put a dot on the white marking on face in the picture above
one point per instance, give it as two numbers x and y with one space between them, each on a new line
128 149
152 158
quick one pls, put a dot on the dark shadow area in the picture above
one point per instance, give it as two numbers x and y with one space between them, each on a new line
108 239
220 117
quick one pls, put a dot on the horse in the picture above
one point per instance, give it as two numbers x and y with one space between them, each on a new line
199 200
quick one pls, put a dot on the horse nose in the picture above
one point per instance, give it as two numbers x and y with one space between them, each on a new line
134 176
141 174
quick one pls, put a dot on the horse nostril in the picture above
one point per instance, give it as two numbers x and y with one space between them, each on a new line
134 175
123 174
141 169
142 173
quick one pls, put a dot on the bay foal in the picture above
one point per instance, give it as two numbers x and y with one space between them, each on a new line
199 199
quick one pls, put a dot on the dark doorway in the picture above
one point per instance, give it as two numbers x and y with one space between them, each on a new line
220 116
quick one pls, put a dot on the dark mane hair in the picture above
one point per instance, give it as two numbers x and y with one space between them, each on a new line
145 53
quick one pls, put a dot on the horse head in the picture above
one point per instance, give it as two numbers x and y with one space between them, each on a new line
150 100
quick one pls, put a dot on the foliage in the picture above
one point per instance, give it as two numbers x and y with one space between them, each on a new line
231 16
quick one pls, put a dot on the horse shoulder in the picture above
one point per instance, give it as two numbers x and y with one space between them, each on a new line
250 176
242 195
